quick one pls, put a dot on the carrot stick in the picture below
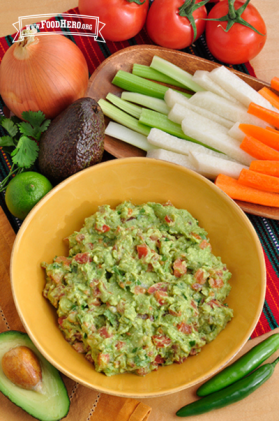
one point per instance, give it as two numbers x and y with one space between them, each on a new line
247 194
270 96
272 129
275 83
258 149
265 167
271 117
258 181
267 137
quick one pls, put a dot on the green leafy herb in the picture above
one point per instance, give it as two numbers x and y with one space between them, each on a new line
21 141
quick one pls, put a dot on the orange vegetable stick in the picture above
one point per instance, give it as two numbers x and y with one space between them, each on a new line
258 149
258 181
270 96
269 138
275 83
265 167
272 129
271 117
247 194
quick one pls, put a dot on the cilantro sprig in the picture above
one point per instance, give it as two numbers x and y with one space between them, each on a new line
21 141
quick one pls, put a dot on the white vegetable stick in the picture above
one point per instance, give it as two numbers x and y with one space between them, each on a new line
236 133
239 89
127 135
204 130
225 108
166 141
213 165
177 113
203 79
173 157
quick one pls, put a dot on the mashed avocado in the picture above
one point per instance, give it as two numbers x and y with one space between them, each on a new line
140 288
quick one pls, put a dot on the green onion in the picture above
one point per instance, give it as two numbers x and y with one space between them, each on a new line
129 136
133 83
126 106
148 73
161 121
175 72
155 104
123 118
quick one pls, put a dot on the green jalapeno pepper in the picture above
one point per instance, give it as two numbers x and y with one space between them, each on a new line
231 394
243 366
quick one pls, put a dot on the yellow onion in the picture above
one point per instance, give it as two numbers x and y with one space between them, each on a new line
46 73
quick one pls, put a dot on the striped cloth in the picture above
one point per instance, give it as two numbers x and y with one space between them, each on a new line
268 230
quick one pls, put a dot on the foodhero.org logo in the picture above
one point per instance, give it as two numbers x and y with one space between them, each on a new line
64 23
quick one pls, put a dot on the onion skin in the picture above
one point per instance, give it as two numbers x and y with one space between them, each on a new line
47 73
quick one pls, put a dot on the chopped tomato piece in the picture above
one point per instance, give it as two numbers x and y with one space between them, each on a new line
56 277
184 328
216 282
168 219
160 286
196 287
119 345
159 360
63 259
175 313
103 360
179 268
139 290
104 228
142 371
197 236
83 258
104 332
78 346
80 237
213 303
204 244
161 341
61 320
160 297
200 276
142 250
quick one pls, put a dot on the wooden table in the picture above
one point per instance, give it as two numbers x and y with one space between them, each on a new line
266 64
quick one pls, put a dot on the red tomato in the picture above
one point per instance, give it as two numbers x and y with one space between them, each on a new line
142 250
168 29
123 19
239 44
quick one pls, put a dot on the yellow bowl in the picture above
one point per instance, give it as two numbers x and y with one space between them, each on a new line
62 212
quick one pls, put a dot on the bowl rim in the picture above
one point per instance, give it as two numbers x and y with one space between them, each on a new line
116 162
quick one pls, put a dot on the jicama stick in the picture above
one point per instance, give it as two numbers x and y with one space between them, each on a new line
207 132
177 112
129 136
258 149
213 165
266 167
173 157
236 133
166 141
225 108
247 194
239 89
269 116
259 181
269 138
203 79
270 96
275 83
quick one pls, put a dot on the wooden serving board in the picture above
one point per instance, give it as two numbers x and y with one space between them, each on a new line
100 85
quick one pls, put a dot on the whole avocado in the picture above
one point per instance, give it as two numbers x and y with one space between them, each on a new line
73 141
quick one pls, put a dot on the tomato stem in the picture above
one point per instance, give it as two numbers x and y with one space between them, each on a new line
234 16
136 1
187 9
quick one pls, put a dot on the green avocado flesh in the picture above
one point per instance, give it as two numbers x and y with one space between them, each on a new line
53 402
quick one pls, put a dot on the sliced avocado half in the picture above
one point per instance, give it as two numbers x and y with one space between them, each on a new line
52 403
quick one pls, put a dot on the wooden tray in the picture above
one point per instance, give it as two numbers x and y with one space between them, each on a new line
100 85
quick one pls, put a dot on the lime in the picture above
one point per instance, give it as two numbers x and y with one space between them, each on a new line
24 191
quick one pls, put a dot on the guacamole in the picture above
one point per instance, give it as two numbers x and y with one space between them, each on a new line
139 289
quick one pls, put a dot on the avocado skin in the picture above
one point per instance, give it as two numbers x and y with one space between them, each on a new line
73 141
51 406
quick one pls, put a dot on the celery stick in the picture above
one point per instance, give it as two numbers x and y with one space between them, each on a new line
161 121
129 108
129 136
175 72
133 83
123 118
155 104
148 73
